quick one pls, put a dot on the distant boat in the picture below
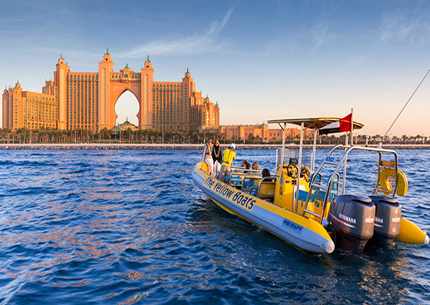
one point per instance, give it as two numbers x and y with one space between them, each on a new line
310 209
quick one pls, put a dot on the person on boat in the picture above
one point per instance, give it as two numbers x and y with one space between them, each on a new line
244 163
207 156
255 166
217 158
265 173
229 156
247 166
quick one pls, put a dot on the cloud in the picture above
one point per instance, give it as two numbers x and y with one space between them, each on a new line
357 60
321 34
403 27
197 43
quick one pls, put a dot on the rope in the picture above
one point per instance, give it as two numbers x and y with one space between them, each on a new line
379 144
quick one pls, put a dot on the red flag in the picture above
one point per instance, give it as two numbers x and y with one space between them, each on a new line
345 123
338 126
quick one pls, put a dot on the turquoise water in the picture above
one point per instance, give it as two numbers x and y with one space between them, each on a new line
125 227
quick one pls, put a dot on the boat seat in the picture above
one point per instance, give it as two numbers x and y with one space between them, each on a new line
236 180
253 190
204 166
266 190
249 183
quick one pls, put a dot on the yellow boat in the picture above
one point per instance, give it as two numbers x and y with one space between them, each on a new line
310 209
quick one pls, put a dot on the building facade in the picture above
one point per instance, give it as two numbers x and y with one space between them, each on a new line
256 133
76 100
31 110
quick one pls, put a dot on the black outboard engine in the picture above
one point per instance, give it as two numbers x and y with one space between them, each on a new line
387 221
352 219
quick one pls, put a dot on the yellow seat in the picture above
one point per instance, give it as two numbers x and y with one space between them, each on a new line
266 190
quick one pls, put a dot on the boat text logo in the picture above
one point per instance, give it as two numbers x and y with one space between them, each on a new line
347 218
240 199
292 226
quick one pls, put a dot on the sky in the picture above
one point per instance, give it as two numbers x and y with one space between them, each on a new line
260 60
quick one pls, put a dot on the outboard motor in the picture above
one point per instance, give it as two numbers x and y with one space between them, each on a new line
387 221
352 219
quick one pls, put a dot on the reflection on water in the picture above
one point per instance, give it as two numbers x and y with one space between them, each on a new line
130 226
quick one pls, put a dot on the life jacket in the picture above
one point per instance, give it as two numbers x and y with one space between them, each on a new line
228 157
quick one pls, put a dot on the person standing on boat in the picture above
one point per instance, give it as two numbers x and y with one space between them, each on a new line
228 157
207 156
217 157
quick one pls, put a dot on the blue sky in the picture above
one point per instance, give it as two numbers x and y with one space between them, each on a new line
260 60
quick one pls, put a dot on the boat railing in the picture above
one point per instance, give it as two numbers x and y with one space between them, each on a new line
238 174
324 194
262 192
316 185
386 165
249 180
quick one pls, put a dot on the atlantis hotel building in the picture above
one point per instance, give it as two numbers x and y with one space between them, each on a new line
77 100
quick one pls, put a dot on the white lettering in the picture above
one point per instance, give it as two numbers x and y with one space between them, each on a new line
369 220
347 218
379 220
395 220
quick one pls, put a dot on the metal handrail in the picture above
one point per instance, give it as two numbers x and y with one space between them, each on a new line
240 171
348 149
267 178
253 172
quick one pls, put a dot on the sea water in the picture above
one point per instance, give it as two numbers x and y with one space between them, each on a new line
130 226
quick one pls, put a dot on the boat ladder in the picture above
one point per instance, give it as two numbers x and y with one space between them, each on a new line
322 193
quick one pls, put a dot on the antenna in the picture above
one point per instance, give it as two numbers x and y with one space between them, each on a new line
379 144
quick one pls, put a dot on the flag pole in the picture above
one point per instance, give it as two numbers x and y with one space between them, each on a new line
352 126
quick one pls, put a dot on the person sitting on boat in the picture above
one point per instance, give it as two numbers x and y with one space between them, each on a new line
228 157
247 166
244 163
255 166
265 173
207 156
217 158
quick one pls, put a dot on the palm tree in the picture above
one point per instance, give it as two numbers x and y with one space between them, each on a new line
195 136
223 136
182 135
251 137
417 138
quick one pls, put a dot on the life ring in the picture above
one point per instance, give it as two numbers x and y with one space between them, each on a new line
387 175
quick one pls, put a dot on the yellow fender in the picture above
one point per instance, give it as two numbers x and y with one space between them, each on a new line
402 181
204 166
410 233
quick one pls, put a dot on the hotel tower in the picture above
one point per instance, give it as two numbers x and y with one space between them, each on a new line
78 100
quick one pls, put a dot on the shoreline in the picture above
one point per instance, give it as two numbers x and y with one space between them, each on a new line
127 146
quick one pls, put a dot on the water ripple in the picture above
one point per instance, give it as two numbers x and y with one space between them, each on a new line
130 227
